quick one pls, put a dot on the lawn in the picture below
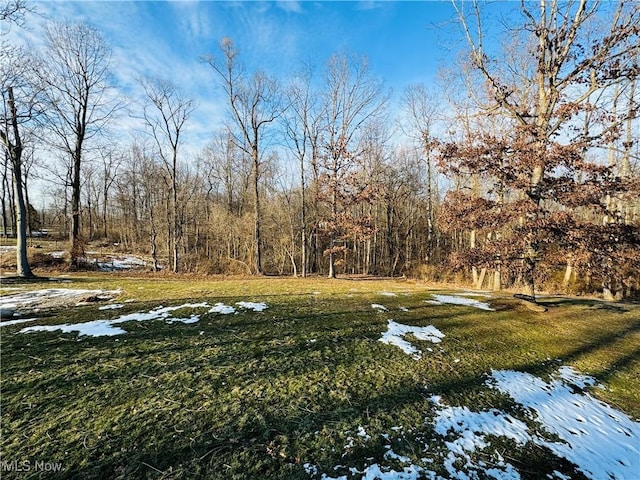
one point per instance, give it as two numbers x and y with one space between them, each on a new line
187 382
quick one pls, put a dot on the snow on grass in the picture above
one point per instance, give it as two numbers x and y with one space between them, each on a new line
256 307
94 328
16 322
363 433
97 328
26 299
456 300
310 469
396 331
222 309
376 472
111 306
377 306
470 430
124 263
388 294
601 441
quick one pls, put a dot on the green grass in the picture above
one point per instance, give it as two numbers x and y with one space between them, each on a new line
257 395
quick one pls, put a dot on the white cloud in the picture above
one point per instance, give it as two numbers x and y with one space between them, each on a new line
292 6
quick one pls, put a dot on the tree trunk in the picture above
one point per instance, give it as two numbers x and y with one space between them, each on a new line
5 193
497 279
568 273
77 248
303 223
480 282
257 240
104 211
332 271
23 268
176 227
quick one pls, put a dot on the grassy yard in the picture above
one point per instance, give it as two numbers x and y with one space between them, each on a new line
298 390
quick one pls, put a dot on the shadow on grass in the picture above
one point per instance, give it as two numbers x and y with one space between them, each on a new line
596 304
249 399
608 342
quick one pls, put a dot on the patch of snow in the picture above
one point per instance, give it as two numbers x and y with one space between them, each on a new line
412 472
16 322
256 307
395 332
191 319
119 263
95 328
456 300
472 427
363 433
602 441
404 309
388 294
57 254
112 306
21 300
377 306
391 455
106 327
310 469
222 309
7 248
325 477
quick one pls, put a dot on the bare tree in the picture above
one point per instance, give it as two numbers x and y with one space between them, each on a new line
79 101
16 74
302 129
421 108
225 166
165 115
12 141
352 97
14 11
254 102
110 162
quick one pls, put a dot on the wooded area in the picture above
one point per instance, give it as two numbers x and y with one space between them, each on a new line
521 169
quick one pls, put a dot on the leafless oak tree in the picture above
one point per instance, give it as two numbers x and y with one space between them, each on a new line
165 115
17 75
255 101
79 101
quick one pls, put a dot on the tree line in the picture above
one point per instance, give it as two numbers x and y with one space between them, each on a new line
521 169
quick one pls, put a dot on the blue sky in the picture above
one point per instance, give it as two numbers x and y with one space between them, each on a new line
404 41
